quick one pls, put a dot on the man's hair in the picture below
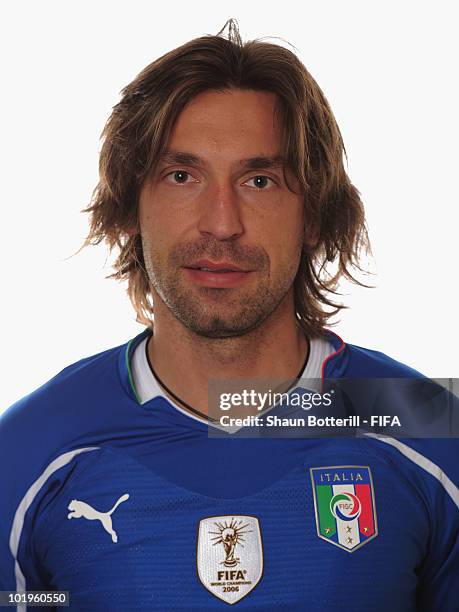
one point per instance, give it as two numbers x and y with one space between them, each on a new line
138 130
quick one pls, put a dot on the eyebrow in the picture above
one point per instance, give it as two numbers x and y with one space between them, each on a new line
170 156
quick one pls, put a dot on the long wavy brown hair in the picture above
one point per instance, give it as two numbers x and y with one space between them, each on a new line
138 129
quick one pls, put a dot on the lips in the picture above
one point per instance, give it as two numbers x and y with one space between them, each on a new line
216 274
210 266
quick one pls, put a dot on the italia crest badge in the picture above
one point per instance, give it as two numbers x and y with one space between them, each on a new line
344 504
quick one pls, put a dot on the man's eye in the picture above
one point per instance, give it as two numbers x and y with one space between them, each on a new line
261 181
179 177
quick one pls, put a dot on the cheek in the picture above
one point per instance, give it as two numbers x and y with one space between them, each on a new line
288 257
163 220
155 228
284 238
152 245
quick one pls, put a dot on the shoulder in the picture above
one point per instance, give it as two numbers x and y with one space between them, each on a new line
55 418
353 361
436 459
369 362
41 432
59 393
387 386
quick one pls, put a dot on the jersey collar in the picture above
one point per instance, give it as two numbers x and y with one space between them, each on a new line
334 366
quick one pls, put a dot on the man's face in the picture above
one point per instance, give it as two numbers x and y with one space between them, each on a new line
213 200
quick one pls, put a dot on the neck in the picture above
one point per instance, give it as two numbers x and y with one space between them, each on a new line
185 361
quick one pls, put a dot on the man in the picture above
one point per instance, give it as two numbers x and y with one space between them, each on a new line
222 183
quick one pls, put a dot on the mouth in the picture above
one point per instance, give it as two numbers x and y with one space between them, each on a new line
219 267
219 275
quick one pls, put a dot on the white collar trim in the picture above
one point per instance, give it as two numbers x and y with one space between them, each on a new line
148 387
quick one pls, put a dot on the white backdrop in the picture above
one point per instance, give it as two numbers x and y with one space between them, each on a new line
389 70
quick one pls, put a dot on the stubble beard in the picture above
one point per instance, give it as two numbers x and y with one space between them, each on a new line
217 312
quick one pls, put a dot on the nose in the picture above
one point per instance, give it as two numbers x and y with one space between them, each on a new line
220 213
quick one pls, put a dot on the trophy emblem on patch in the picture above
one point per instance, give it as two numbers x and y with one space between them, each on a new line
230 535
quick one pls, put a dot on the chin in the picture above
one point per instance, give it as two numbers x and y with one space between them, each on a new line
219 333
219 328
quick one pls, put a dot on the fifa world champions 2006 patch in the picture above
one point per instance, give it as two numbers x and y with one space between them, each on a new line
344 504
229 555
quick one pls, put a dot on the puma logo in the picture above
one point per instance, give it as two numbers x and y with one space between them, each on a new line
80 509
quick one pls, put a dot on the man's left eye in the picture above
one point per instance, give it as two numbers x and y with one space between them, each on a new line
261 181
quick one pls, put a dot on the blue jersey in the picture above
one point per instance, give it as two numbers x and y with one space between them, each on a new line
133 506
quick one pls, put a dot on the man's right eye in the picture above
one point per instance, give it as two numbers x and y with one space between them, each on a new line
180 177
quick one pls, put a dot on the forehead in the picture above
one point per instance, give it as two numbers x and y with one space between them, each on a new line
233 120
